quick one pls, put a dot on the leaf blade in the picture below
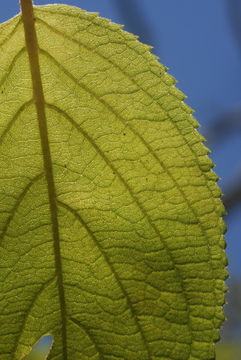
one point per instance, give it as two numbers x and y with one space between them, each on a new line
134 184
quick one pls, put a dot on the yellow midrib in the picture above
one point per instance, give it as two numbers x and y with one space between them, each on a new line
38 95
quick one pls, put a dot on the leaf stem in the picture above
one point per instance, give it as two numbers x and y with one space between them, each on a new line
38 95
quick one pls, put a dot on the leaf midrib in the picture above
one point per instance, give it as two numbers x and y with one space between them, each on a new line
38 95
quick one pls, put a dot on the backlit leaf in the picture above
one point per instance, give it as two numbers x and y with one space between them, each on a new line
111 236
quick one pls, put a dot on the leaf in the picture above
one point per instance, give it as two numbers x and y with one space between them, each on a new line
111 229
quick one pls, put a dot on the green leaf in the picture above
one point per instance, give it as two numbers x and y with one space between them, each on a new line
111 231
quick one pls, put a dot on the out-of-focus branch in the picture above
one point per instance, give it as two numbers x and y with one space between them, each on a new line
230 123
233 197
135 20
234 11
232 327
224 126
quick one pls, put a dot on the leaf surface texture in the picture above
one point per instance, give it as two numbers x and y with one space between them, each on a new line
140 270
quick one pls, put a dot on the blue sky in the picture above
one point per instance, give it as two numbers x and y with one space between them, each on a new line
194 39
